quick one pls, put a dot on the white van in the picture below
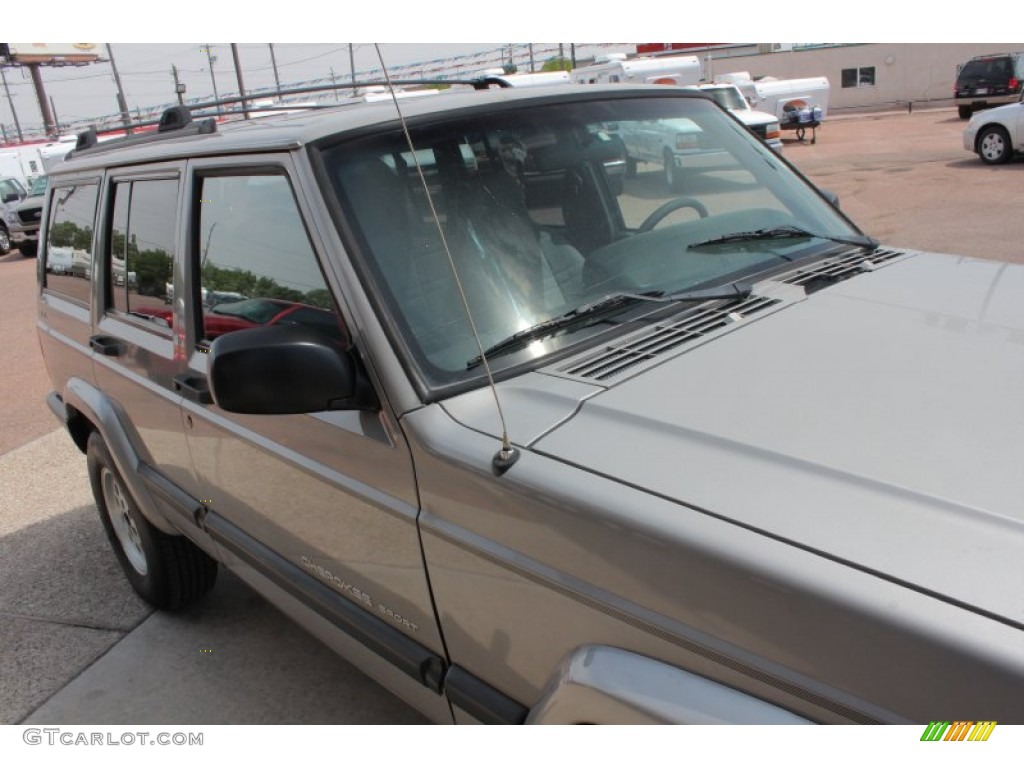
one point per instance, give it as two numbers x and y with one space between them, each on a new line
661 70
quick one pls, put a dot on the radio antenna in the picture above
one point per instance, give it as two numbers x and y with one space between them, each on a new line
507 455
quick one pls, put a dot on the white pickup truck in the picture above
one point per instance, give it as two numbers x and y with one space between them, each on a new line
762 124
672 143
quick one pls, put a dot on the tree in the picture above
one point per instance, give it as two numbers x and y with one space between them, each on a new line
556 64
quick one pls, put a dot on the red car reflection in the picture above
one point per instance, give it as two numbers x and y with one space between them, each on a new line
251 313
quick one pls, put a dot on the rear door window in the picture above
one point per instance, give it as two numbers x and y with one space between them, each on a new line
142 246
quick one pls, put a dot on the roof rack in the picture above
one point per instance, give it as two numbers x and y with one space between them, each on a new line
173 123
177 121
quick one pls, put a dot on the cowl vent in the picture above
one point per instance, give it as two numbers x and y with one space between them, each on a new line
845 265
638 351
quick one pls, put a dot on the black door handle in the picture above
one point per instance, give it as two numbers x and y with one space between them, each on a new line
106 345
193 387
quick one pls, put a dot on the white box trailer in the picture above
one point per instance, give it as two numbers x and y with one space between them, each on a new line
660 70
11 167
799 103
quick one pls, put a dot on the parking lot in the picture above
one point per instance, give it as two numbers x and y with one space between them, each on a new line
76 644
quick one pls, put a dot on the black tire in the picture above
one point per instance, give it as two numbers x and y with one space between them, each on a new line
672 178
630 167
5 240
29 248
964 110
994 147
168 572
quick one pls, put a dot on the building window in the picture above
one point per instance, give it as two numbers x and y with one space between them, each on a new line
855 77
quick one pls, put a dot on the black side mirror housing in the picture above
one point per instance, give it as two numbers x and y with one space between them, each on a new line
831 196
285 369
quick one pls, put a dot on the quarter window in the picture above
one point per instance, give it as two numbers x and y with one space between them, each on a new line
69 241
256 264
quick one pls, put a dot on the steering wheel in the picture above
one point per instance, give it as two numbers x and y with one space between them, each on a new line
672 205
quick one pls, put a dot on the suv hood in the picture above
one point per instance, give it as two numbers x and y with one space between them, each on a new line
879 422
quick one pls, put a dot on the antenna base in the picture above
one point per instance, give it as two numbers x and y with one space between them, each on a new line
504 459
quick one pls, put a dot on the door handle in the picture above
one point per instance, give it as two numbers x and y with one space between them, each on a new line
106 345
194 388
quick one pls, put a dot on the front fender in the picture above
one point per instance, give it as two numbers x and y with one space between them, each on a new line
603 685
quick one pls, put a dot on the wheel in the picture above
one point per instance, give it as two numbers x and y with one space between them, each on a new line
28 248
964 110
630 167
5 241
168 572
994 145
672 205
672 178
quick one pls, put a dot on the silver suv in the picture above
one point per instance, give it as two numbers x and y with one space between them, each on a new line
532 447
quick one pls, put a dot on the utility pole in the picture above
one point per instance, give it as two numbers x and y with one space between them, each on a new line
572 47
44 103
532 68
241 85
211 58
273 61
56 120
10 101
121 103
179 87
334 82
352 67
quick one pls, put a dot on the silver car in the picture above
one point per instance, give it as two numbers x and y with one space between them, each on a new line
527 450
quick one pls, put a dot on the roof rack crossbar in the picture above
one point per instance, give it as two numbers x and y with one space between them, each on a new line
173 123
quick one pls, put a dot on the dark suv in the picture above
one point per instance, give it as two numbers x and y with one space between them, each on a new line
532 446
986 81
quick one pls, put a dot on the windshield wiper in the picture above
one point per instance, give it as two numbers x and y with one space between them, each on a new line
782 233
597 309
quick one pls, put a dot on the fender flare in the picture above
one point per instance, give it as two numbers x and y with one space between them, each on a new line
96 408
600 684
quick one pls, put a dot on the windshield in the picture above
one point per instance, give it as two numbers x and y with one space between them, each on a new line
38 186
550 208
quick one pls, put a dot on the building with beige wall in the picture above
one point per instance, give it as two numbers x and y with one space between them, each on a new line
862 76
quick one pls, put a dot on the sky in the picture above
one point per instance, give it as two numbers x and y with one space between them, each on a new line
86 92
146 44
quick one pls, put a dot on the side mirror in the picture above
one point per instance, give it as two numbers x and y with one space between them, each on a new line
284 369
10 197
831 196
